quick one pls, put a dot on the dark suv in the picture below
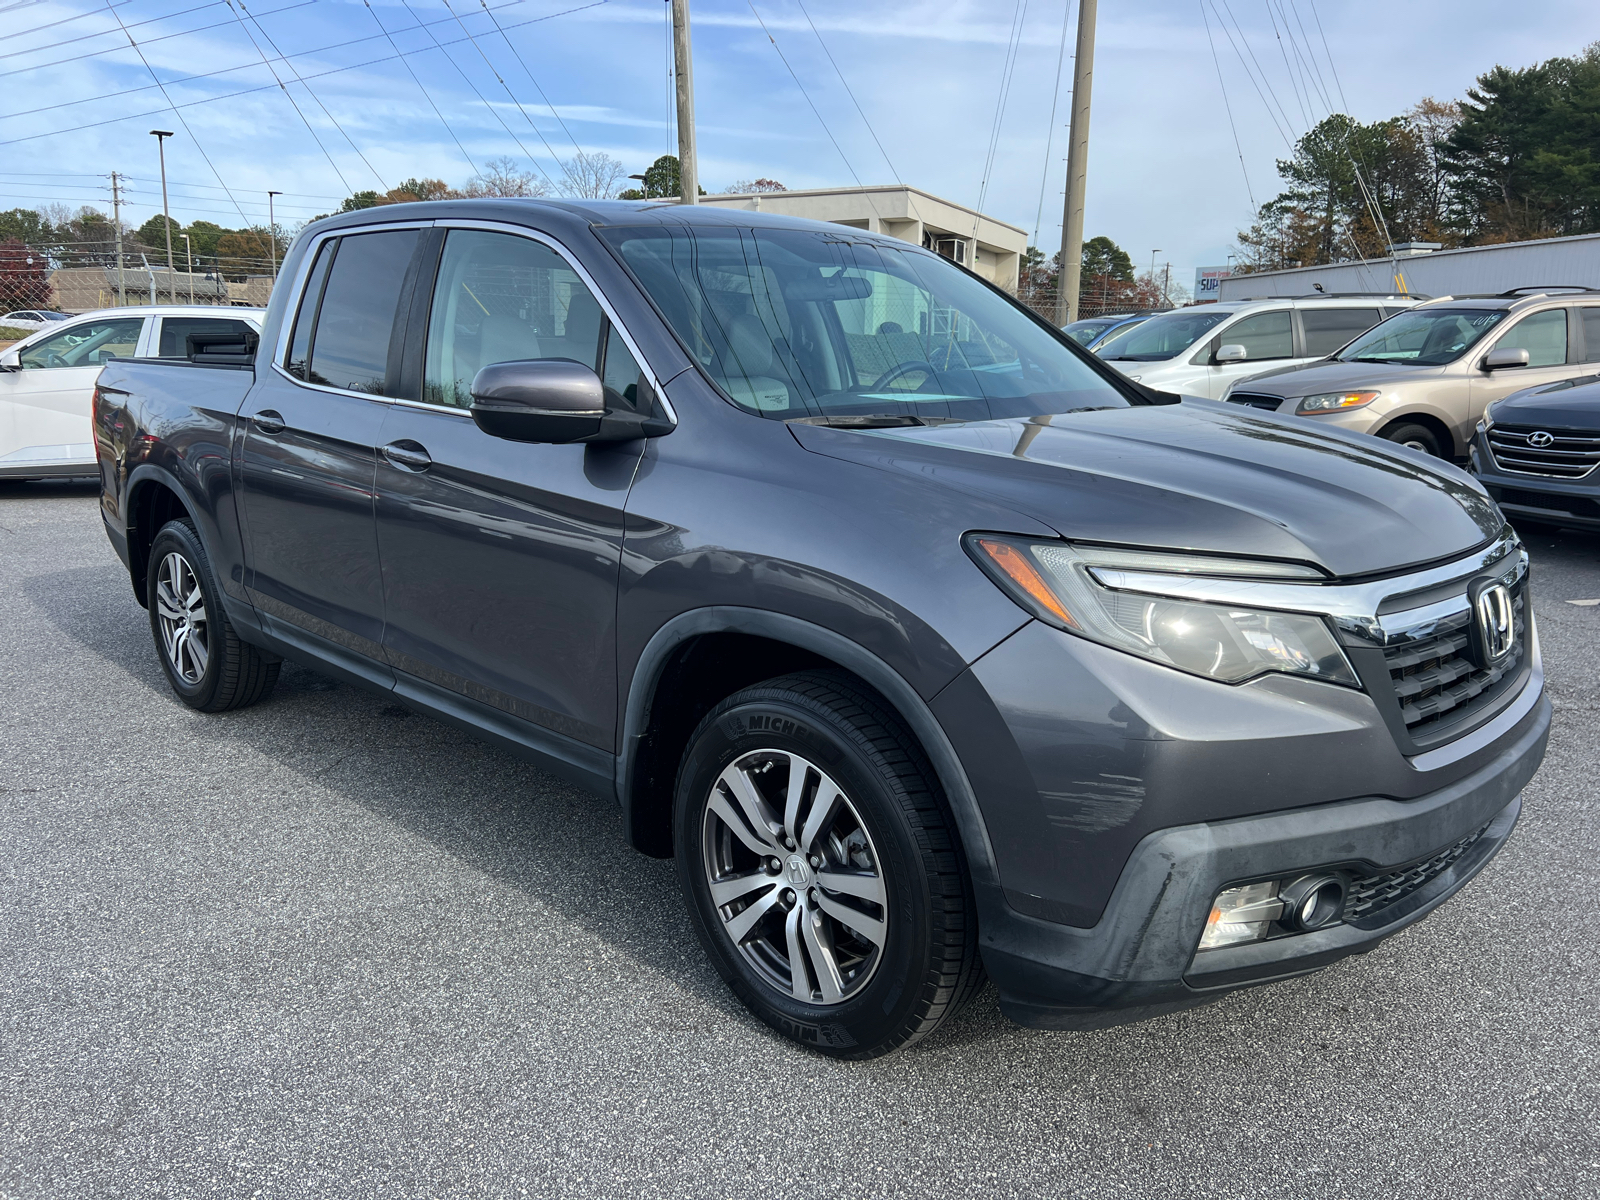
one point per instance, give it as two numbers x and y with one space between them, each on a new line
927 643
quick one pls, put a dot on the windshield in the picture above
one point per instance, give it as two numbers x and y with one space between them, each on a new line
1166 336
1084 332
1423 338
795 323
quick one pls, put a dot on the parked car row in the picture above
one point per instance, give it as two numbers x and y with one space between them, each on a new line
31 318
47 379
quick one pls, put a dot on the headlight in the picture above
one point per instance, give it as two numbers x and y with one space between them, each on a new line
1487 423
1057 583
1335 401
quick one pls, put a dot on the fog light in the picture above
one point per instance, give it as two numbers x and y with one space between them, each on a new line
1242 914
1312 902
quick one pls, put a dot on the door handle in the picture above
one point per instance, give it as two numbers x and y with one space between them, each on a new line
408 455
269 421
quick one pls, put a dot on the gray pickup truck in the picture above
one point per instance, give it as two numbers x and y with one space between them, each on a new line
930 647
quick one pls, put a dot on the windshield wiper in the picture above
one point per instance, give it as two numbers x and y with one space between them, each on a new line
1388 362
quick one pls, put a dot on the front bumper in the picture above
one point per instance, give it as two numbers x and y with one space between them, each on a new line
1570 502
1140 959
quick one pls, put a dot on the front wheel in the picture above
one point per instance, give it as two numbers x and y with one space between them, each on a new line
1414 437
207 664
822 870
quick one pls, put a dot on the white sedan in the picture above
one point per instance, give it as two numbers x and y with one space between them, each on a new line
30 318
47 379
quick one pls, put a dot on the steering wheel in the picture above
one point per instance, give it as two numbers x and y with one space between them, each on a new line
902 368
52 359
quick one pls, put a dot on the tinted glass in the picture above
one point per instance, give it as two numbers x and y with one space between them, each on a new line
1327 329
1265 335
1591 334
1423 337
1165 336
625 382
502 298
350 348
175 332
85 345
1543 335
298 363
793 323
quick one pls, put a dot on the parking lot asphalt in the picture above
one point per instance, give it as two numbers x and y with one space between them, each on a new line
324 948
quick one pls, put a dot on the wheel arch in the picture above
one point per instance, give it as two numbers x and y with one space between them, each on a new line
762 644
1433 424
154 498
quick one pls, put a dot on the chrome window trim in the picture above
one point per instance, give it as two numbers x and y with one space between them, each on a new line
1352 607
297 290
582 273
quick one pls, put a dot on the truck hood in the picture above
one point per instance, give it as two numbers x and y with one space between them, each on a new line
1199 475
1326 376
1571 404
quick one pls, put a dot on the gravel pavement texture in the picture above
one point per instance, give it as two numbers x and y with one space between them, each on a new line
325 948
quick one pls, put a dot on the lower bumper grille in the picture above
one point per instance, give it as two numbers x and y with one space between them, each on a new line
1369 895
1578 506
1437 682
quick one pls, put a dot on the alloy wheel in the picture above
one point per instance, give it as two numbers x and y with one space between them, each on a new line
794 877
181 612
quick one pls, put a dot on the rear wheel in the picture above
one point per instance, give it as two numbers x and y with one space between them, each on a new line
207 664
1414 437
821 868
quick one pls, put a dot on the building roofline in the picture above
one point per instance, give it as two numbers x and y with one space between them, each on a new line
1410 259
855 191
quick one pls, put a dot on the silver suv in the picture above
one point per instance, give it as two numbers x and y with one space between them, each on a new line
1424 377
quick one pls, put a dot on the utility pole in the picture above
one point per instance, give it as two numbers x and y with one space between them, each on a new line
161 136
272 234
188 249
116 225
1077 169
688 172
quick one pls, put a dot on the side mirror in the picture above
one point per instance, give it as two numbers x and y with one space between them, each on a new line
11 360
1232 352
1496 359
554 401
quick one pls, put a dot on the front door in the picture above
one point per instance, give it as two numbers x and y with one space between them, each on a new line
1268 340
310 452
45 406
1544 336
500 559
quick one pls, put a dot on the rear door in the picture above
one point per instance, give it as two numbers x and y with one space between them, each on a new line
310 451
501 559
1324 330
45 406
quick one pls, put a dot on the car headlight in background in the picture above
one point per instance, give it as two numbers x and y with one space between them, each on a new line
1226 642
1486 422
1335 401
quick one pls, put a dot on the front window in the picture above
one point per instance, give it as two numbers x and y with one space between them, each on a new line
1424 338
1163 337
88 344
794 323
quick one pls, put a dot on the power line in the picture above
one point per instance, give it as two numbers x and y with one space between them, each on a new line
492 110
371 62
1228 107
1271 116
150 42
1019 14
414 78
256 21
850 93
78 17
1294 85
555 112
1050 134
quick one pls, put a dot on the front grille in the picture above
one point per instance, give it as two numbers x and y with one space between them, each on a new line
1438 684
1566 456
1369 895
1256 400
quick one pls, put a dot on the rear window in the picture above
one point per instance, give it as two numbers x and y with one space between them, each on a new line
175 332
342 341
1591 334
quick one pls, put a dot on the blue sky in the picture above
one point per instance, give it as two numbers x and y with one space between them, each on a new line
537 78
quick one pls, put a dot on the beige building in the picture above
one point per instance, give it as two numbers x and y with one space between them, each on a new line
988 247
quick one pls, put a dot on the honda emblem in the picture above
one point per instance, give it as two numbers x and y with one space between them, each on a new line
1494 621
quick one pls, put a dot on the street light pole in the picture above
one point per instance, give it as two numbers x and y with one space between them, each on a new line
161 136
272 234
1077 169
688 171
188 249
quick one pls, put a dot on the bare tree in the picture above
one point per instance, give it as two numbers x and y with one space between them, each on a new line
744 187
502 177
592 176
